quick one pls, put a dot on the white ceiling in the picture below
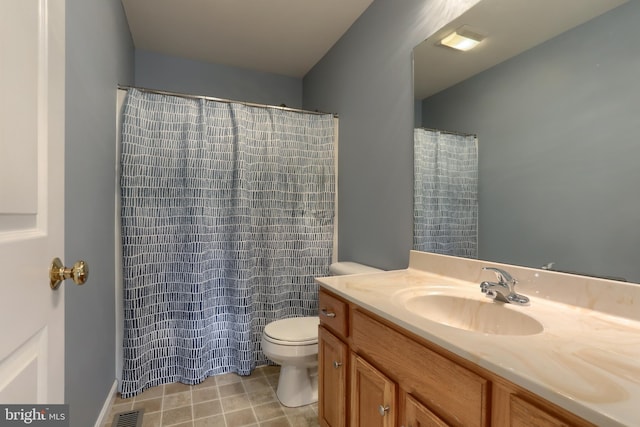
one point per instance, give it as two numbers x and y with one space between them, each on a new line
286 37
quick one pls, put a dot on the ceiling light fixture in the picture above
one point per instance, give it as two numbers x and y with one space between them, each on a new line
463 38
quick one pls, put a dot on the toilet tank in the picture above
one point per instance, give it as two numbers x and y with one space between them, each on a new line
348 267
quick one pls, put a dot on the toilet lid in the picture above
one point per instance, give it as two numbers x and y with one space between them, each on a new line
302 330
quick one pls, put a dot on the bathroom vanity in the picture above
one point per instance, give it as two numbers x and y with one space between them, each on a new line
424 347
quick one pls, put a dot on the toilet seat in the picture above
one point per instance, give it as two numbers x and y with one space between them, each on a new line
296 331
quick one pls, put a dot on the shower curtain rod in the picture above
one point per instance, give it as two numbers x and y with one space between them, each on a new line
228 101
450 132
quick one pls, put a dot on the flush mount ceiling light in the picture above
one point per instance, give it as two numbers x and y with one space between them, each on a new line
464 38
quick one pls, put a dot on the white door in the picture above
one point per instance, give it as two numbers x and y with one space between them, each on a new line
32 38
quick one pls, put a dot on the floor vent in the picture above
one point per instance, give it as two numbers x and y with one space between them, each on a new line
128 419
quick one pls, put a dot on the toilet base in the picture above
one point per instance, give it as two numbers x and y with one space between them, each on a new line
297 386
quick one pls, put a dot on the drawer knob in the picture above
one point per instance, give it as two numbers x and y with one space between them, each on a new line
383 410
327 313
336 364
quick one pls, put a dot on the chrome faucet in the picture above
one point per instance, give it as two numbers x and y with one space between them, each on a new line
504 289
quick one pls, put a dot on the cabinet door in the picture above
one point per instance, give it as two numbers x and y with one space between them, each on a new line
417 415
332 380
524 414
513 407
373 396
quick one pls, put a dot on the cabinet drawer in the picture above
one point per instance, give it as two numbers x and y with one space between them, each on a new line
455 394
333 313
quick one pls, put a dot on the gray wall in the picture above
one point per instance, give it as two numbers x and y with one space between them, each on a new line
367 79
558 134
99 55
163 72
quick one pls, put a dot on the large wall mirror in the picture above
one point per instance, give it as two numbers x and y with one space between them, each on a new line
553 95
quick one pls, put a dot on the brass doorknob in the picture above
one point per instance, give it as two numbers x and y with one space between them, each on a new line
58 272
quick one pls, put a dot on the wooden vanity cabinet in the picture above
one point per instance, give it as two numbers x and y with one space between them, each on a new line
374 373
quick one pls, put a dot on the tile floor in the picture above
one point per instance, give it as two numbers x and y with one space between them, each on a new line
226 400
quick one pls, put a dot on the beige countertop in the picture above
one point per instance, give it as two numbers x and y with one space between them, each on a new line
586 359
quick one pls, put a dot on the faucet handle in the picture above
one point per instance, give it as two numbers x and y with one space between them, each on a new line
503 276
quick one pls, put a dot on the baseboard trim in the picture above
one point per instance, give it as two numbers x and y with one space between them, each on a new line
107 405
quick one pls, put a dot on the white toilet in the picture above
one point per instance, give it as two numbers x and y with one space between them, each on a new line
293 344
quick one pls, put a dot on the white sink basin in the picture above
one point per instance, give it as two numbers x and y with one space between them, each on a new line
462 309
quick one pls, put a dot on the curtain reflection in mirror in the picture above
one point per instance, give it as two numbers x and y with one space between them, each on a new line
445 193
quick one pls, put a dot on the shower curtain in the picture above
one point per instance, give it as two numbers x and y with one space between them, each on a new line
227 216
445 215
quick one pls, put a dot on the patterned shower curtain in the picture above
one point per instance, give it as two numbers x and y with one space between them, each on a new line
445 214
227 217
